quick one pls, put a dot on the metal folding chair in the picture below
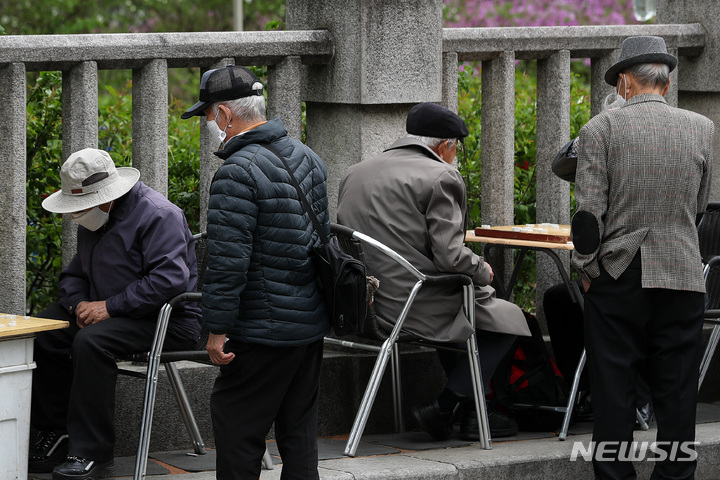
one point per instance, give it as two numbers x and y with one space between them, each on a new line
388 351
156 357
709 238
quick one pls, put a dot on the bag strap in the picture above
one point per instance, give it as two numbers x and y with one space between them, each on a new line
303 198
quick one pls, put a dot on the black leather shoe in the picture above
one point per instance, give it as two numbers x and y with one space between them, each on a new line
433 421
583 411
500 425
48 449
76 468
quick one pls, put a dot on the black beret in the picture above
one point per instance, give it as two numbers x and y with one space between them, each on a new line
432 120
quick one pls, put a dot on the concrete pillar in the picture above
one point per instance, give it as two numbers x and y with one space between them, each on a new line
497 142
699 85
12 182
150 124
497 146
450 81
388 57
598 88
209 162
80 130
284 99
553 131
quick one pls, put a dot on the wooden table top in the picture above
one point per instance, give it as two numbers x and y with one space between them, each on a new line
537 235
17 325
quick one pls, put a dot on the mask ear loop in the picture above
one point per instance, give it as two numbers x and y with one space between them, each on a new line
623 81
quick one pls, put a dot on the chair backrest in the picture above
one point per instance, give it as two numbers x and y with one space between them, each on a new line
353 242
353 247
712 285
709 232
201 253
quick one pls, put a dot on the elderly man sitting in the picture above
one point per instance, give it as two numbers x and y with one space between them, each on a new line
134 253
411 198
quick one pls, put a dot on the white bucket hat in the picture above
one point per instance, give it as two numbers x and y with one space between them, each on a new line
89 178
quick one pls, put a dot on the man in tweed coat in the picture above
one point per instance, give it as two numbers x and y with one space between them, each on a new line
642 184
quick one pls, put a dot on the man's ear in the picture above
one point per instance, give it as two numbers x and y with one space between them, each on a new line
667 87
224 115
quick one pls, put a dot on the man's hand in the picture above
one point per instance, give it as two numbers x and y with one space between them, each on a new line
492 274
215 346
87 313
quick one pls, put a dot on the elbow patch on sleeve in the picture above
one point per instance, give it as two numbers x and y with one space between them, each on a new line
585 232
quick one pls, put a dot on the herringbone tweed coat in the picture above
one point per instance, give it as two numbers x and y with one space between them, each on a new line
644 173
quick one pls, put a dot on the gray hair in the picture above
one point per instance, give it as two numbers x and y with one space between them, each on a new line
248 109
433 142
650 74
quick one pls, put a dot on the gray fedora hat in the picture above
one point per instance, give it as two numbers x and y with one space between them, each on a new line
637 50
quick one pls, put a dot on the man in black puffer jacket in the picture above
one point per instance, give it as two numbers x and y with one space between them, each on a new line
260 289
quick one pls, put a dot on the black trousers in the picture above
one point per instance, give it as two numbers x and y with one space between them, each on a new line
492 347
261 385
566 326
73 386
628 326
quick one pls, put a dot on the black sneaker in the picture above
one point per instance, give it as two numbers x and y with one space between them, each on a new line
48 449
76 468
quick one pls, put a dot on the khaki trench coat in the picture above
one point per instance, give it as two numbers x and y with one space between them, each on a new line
415 203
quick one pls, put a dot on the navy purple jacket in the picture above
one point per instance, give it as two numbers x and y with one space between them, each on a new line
142 257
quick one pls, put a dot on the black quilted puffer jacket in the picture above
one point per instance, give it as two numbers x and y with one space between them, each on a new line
260 284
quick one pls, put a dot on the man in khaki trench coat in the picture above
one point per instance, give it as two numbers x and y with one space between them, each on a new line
411 198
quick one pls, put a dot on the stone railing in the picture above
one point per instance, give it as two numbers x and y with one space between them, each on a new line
79 57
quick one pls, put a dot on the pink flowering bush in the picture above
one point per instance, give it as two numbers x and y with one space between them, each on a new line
527 13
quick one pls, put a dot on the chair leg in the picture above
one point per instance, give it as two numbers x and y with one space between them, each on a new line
267 461
572 397
151 380
709 352
368 399
397 390
185 409
146 421
641 421
479 394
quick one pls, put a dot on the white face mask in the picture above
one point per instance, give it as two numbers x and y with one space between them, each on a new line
215 131
93 219
612 102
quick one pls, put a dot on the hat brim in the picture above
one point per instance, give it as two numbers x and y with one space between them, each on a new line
611 76
60 202
197 109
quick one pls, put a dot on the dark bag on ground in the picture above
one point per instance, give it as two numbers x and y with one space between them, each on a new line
527 380
343 282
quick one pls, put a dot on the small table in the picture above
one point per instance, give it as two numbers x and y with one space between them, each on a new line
541 238
17 335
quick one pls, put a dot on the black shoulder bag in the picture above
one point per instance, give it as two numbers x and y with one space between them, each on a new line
341 277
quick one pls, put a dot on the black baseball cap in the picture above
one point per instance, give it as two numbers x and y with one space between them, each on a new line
227 83
433 120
